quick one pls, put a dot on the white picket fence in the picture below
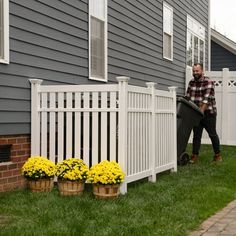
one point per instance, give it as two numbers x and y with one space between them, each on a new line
225 91
135 126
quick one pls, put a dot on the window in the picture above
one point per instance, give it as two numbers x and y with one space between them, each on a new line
98 40
195 42
4 31
167 32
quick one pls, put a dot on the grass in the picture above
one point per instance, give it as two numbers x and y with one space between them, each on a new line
175 205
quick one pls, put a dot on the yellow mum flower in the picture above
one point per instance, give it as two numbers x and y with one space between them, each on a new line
72 169
106 172
37 167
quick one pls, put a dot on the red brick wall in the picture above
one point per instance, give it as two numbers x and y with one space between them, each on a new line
10 172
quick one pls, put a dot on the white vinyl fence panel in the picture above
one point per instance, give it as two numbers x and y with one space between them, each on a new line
135 126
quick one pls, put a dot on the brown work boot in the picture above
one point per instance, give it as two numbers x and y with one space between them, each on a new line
217 158
194 158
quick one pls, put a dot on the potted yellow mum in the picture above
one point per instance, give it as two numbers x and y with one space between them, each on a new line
106 178
39 172
71 174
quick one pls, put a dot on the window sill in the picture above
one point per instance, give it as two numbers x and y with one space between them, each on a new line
98 79
168 59
2 61
6 163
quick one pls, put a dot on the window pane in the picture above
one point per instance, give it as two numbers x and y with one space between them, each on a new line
167 19
189 49
196 49
1 30
97 48
97 8
201 51
167 46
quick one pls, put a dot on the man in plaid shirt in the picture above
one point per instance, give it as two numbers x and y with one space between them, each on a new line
201 91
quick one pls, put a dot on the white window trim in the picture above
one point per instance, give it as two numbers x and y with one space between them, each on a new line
165 5
105 46
5 60
196 29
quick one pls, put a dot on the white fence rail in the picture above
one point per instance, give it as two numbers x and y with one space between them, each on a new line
225 90
134 126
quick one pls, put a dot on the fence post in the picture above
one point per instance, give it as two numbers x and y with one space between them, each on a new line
122 127
35 119
173 91
152 178
225 108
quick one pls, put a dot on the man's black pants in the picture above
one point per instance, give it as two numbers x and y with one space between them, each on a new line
209 123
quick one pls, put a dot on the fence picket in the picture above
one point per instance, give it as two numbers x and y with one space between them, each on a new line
95 125
60 128
103 126
69 134
44 126
86 128
52 128
77 126
113 126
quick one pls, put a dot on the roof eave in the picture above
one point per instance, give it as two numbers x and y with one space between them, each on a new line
223 41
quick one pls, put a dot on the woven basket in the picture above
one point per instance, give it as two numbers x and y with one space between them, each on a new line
40 185
70 188
106 191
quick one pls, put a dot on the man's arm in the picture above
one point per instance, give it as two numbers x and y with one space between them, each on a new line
209 92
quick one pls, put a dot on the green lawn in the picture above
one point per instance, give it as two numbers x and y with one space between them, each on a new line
175 205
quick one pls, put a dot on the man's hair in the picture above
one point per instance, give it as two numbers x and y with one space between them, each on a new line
198 64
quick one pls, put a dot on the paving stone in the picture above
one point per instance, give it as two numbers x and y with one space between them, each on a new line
211 234
217 227
227 234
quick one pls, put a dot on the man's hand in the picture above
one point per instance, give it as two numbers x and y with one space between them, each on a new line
203 107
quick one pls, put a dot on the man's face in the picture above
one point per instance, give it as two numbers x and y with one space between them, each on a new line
197 72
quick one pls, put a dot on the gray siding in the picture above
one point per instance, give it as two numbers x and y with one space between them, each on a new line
222 58
135 40
49 41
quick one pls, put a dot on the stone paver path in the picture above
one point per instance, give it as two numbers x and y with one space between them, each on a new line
222 223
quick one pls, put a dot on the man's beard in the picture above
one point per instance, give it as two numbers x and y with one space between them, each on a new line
197 76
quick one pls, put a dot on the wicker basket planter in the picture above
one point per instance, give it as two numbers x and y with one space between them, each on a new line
70 188
106 191
40 185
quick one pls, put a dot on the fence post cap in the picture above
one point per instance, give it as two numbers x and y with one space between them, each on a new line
122 78
150 84
35 81
172 88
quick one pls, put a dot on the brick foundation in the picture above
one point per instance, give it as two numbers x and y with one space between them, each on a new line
10 172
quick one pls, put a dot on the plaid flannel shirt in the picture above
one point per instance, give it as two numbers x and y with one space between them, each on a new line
202 91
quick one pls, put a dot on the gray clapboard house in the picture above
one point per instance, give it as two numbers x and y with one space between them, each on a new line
223 52
89 41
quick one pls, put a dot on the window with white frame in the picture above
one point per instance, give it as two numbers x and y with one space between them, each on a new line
167 32
98 40
4 31
195 42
